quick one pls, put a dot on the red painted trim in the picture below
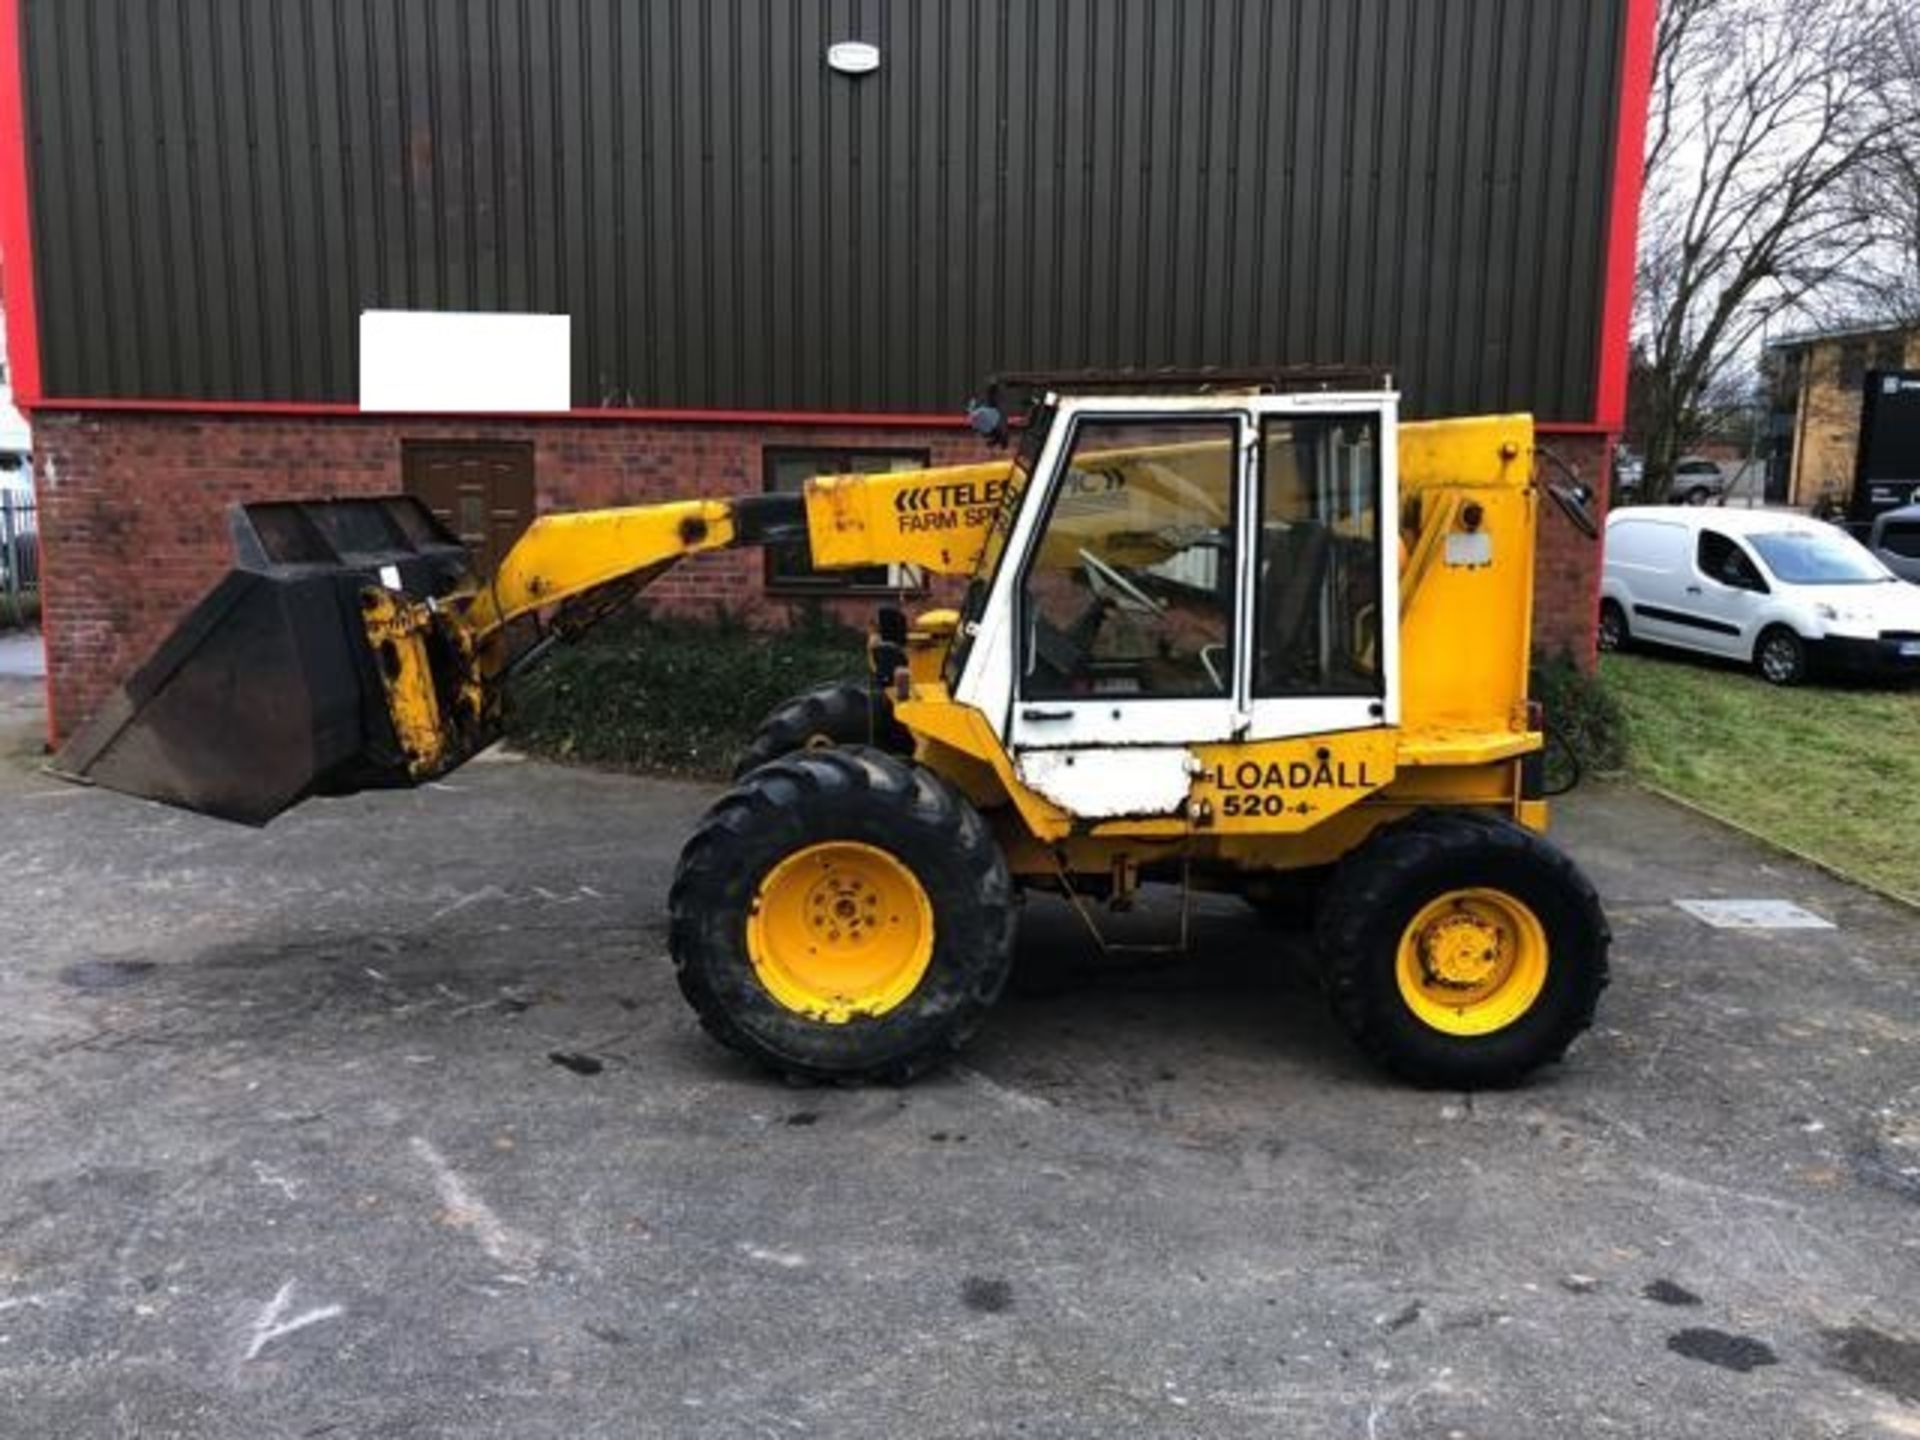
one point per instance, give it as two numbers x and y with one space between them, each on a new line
842 419
343 411
16 227
1623 213
16 275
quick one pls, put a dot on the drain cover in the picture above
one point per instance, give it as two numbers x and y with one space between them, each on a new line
1754 915
106 974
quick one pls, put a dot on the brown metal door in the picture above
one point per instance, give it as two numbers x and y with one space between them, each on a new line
482 490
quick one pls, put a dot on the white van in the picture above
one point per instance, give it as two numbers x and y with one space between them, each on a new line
1771 588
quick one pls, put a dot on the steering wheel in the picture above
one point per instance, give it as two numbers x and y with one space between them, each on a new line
1102 578
1065 652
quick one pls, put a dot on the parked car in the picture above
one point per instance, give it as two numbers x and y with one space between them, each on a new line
1788 594
1893 536
1697 480
1628 471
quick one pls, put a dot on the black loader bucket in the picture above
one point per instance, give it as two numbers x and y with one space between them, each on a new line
269 691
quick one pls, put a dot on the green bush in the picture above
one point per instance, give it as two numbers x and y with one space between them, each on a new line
22 612
674 695
1583 715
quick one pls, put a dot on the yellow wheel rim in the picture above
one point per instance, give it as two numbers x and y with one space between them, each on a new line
840 930
1472 962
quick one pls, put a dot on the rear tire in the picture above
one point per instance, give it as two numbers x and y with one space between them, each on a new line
1613 633
845 712
1780 656
741 971
1698 495
1461 950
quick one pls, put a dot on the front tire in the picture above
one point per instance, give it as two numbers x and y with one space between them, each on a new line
842 915
1780 656
1698 495
845 712
1461 950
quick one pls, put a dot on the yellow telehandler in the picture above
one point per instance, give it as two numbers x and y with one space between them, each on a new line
1235 632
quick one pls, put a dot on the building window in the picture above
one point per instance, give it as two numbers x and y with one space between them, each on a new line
1853 364
787 472
1784 369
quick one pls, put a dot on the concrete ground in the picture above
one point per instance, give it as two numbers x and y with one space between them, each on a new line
287 1153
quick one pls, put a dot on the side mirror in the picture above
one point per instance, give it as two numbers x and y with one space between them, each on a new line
1575 502
988 422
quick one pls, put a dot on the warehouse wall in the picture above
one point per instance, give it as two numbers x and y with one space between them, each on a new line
132 505
219 189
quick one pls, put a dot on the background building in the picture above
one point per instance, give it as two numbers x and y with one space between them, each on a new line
771 266
1818 385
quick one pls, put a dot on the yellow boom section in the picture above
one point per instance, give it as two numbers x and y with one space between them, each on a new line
936 519
561 556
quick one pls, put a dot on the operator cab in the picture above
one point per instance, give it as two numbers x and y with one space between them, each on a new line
1178 569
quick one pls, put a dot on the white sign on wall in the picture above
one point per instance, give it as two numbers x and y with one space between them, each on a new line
464 362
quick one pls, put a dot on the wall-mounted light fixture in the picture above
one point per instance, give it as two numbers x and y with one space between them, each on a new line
853 57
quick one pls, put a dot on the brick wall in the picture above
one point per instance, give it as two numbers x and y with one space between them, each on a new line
132 506
1566 586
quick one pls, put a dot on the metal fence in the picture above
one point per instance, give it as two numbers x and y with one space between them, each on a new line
19 559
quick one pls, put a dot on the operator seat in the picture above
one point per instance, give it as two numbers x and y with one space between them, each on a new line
1293 576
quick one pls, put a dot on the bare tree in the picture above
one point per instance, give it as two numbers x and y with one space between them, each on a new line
1886 290
1761 123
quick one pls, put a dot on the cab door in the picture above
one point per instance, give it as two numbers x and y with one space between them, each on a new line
1128 600
1721 601
1112 641
1323 581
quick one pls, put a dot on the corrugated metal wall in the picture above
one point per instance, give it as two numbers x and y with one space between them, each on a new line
220 186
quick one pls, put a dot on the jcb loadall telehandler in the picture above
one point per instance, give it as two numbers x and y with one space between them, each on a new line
1243 633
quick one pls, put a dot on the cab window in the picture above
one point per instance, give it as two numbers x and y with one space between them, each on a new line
1129 592
1902 540
1317 571
1721 559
